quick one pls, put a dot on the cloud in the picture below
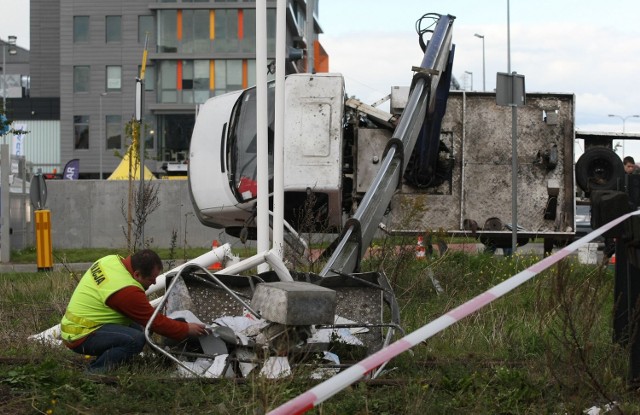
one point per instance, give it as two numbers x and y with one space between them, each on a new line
597 62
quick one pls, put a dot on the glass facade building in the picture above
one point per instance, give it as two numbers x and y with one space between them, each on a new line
195 50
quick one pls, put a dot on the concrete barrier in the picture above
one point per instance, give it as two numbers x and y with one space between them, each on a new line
93 214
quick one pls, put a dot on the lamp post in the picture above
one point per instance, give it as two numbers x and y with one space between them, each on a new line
624 120
101 141
471 75
12 51
484 85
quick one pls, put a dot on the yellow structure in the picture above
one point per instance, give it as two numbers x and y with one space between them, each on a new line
44 249
122 171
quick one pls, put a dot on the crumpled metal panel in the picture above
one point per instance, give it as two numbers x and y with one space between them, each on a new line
355 301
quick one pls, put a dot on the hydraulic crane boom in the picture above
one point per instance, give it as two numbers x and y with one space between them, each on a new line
423 110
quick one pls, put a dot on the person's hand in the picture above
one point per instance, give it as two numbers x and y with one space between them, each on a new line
197 329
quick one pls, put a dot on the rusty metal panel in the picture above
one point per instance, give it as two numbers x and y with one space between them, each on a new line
478 133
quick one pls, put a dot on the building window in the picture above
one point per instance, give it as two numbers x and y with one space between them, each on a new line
81 132
114 78
201 81
187 82
167 31
251 73
113 29
149 130
228 76
81 78
195 31
271 30
149 77
145 26
80 29
114 132
226 31
248 41
167 82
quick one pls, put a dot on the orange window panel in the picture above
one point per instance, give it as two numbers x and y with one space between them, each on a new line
179 25
240 24
321 57
212 75
245 74
179 76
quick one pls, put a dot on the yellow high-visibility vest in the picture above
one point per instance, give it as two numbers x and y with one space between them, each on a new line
88 309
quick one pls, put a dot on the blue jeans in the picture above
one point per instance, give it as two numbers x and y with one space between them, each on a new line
113 344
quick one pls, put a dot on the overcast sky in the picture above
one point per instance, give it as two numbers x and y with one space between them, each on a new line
585 47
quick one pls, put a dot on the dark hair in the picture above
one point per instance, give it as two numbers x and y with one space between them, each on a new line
628 159
146 261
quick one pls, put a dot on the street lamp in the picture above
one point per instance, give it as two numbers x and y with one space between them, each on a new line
101 141
624 120
471 75
484 85
12 51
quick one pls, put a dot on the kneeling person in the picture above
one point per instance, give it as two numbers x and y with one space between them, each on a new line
109 306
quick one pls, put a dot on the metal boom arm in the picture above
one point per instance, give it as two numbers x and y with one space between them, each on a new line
360 229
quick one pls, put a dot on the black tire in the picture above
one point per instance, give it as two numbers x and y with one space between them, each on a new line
599 168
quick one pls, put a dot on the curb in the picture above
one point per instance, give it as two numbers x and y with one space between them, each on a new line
76 266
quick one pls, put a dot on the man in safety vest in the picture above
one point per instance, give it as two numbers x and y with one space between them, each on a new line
108 307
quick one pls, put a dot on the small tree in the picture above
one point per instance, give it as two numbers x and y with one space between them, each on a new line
138 208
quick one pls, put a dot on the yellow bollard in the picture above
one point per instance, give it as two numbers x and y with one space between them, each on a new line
44 250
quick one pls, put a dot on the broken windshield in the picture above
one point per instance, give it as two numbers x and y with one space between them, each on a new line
243 148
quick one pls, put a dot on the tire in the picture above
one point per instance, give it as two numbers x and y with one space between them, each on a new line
599 168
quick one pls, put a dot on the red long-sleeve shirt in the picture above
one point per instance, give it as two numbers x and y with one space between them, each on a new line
133 303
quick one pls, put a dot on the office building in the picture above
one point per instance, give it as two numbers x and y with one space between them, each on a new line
90 53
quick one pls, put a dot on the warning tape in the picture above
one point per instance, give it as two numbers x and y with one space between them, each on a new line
335 384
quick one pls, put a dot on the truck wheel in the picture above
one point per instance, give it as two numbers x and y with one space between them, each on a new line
599 168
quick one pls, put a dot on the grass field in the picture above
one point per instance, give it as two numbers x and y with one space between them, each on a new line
544 348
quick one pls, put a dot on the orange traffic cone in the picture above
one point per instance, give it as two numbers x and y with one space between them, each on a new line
216 266
612 260
420 251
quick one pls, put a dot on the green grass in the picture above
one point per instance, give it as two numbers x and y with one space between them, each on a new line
544 348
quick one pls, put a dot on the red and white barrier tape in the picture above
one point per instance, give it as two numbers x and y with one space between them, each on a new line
335 384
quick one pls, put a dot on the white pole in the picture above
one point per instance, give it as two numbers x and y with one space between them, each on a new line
514 143
4 83
484 78
4 74
5 218
278 146
310 33
11 41
101 140
262 124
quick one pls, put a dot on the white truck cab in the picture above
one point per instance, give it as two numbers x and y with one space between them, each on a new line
223 151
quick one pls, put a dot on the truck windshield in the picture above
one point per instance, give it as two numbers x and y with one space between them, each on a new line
243 149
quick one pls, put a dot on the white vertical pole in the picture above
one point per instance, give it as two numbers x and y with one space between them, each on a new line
484 77
262 125
278 146
310 34
5 218
101 140
4 83
514 143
